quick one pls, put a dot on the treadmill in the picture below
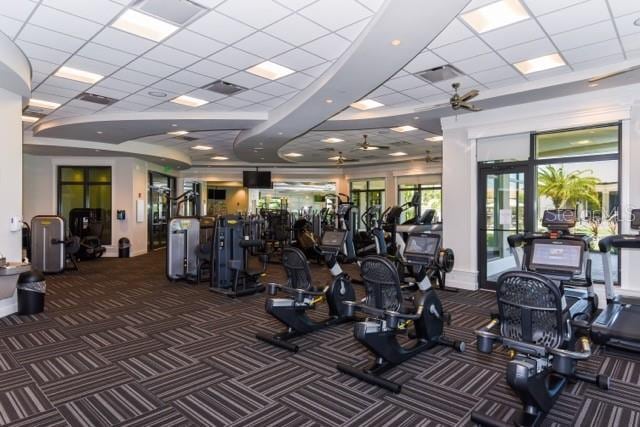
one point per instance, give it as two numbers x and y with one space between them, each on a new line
618 325
576 283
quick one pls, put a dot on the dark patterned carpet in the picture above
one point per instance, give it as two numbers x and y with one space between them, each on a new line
120 345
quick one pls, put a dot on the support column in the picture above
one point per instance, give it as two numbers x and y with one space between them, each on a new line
459 206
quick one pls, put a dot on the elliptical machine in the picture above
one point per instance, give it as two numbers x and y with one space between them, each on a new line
303 295
387 316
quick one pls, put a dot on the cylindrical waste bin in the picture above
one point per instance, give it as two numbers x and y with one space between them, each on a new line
124 246
31 291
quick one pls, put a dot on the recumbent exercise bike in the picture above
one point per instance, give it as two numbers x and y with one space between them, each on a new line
304 295
388 316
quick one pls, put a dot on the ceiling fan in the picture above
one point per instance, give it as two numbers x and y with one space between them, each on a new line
458 101
365 146
341 160
431 159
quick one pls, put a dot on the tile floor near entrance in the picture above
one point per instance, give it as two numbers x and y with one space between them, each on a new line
118 344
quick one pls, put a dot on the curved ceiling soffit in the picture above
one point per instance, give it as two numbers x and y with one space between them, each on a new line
15 69
369 61
116 128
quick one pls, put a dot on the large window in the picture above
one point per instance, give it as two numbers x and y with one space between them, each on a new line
367 193
86 187
429 189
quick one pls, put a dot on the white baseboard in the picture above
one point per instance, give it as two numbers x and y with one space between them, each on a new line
9 306
462 279
139 252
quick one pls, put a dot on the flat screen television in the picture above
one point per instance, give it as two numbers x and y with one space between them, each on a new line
215 194
256 179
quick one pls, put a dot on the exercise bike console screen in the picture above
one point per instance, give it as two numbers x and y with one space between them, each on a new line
557 255
422 247
332 240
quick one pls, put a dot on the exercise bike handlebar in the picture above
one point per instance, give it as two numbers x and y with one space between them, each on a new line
390 316
273 288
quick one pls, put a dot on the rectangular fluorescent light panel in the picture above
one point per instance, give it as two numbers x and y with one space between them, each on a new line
78 75
398 154
332 140
293 155
189 101
144 25
202 147
219 158
270 70
541 63
30 119
39 103
434 139
178 132
366 104
404 129
496 15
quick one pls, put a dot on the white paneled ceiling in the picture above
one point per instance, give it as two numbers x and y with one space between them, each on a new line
230 36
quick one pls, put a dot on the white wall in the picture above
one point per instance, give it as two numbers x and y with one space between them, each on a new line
129 182
460 167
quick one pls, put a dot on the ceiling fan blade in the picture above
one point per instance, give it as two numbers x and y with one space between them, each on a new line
612 74
469 95
469 107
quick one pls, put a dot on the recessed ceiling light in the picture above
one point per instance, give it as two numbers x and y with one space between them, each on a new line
144 25
157 94
202 147
178 132
398 154
593 84
496 15
189 101
368 148
337 158
293 155
541 63
434 139
366 104
30 119
405 128
270 70
99 132
78 75
173 125
219 158
332 140
395 42
43 104
329 101
637 22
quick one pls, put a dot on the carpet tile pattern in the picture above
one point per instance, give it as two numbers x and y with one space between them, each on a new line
119 345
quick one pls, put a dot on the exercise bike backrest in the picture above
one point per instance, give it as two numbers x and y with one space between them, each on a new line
532 310
297 268
382 284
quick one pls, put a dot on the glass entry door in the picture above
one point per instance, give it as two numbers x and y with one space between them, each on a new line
504 208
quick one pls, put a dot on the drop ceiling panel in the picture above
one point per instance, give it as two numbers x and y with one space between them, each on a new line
100 11
295 4
631 42
318 70
154 68
221 28
211 69
111 93
9 26
253 96
324 13
190 78
233 102
583 36
91 65
171 86
425 61
495 74
236 58
44 67
106 54
263 45
296 30
576 16
297 80
424 91
120 85
172 56
43 53
194 43
63 22
126 42
528 50
242 78
462 50
53 39
541 7
352 31
404 83
623 7
597 50
328 47
298 59
480 63
133 76
258 14
594 63
19 10
626 25
518 33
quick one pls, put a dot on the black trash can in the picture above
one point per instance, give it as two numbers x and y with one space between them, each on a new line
31 291
124 246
